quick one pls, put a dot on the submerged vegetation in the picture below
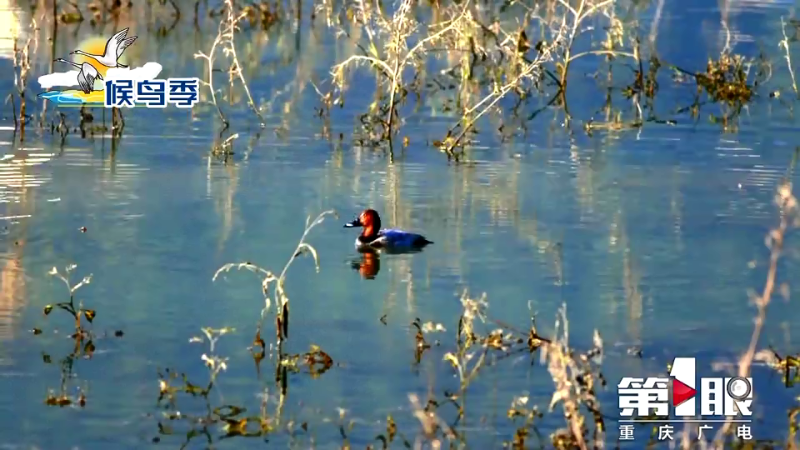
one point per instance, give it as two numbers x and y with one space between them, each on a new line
483 66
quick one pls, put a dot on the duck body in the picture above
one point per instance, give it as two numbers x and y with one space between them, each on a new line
389 239
393 238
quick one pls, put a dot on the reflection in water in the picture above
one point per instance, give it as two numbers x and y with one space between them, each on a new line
12 289
630 276
222 184
14 176
368 265
16 182
12 274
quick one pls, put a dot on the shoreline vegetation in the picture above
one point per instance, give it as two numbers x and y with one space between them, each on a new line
495 68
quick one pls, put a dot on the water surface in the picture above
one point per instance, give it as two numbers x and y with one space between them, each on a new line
652 237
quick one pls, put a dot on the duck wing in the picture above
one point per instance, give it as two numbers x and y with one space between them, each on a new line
379 242
396 237
400 238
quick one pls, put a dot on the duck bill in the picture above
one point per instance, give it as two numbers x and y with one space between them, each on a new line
355 223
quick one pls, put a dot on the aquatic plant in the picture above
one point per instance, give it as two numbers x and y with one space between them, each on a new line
225 41
83 340
22 68
228 417
492 68
280 299
76 311
396 54
576 377
466 337
488 58
212 360
231 419
316 361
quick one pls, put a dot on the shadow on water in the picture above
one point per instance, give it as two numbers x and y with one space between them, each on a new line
620 159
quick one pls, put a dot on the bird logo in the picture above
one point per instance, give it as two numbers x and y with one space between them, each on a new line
113 50
96 60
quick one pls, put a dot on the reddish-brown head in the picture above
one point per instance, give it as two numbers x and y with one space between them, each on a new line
370 220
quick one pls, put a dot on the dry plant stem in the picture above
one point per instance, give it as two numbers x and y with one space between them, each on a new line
787 204
214 362
22 61
395 73
785 45
496 96
391 97
281 299
117 122
655 23
53 43
302 245
559 365
231 50
225 39
723 21
399 65
210 83
545 55
568 30
578 15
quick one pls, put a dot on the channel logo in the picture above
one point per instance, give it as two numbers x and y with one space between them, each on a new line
667 401
730 396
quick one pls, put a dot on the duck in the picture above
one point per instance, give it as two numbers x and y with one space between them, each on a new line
372 236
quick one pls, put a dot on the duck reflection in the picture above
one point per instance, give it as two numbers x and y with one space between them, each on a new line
368 265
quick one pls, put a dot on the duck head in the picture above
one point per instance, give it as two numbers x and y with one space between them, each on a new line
369 219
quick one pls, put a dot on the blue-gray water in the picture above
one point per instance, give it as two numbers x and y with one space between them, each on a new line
651 236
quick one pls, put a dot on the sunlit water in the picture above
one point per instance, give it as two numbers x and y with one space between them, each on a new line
653 238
